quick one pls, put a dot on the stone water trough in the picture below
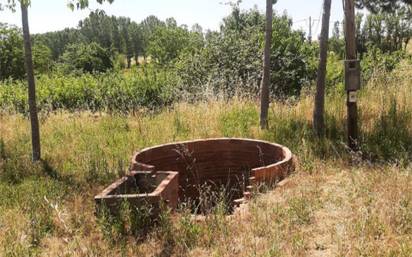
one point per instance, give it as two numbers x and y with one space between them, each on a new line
178 172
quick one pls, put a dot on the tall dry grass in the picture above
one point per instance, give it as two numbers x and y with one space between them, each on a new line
338 203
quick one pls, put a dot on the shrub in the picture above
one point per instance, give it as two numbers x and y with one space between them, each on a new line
12 58
113 92
89 58
376 61
231 61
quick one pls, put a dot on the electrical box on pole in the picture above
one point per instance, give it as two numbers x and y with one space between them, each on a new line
352 75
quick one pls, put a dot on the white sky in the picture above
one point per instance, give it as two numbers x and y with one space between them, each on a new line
51 15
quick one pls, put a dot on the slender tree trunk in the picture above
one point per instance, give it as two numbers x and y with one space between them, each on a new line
34 120
319 111
264 107
129 62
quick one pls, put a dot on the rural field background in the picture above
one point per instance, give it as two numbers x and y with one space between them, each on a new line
337 202
97 106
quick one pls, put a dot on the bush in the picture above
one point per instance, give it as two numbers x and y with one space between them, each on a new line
12 57
88 58
231 61
335 73
375 61
11 53
113 92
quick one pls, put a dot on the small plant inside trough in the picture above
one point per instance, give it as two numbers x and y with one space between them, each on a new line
199 174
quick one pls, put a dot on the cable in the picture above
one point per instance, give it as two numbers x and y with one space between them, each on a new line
302 20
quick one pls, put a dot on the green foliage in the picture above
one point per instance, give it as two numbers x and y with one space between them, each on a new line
129 221
143 88
58 40
102 29
11 53
390 32
386 26
336 43
376 6
334 72
291 59
391 139
375 62
230 63
238 122
116 34
119 62
89 58
300 210
42 59
82 4
168 42
189 231
148 26
12 57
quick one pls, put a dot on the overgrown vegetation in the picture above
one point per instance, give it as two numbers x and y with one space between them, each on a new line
53 212
111 92
47 208
223 63
113 86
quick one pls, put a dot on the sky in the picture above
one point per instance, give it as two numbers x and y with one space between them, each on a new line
52 15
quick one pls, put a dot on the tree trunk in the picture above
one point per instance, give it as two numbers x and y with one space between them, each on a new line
264 107
319 111
129 62
34 120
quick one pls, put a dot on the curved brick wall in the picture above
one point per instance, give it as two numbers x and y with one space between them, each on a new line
238 164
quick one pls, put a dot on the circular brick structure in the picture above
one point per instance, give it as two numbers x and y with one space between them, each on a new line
238 165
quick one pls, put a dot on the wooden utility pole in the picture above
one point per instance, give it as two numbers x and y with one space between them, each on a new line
264 103
352 73
310 30
319 110
34 120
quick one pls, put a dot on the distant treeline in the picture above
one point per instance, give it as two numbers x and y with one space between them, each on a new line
196 63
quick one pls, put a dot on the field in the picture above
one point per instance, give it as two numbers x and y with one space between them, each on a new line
337 203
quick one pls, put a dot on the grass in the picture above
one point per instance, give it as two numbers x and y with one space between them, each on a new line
337 203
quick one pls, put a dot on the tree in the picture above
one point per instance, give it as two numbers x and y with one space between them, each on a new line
228 65
57 41
127 47
378 6
11 53
34 119
135 34
148 27
89 58
83 4
167 42
336 43
318 114
28 57
12 57
264 108
100 28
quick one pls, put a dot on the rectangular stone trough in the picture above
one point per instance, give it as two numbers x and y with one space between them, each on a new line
141 188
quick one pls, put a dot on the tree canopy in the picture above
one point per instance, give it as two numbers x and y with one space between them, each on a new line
376 6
